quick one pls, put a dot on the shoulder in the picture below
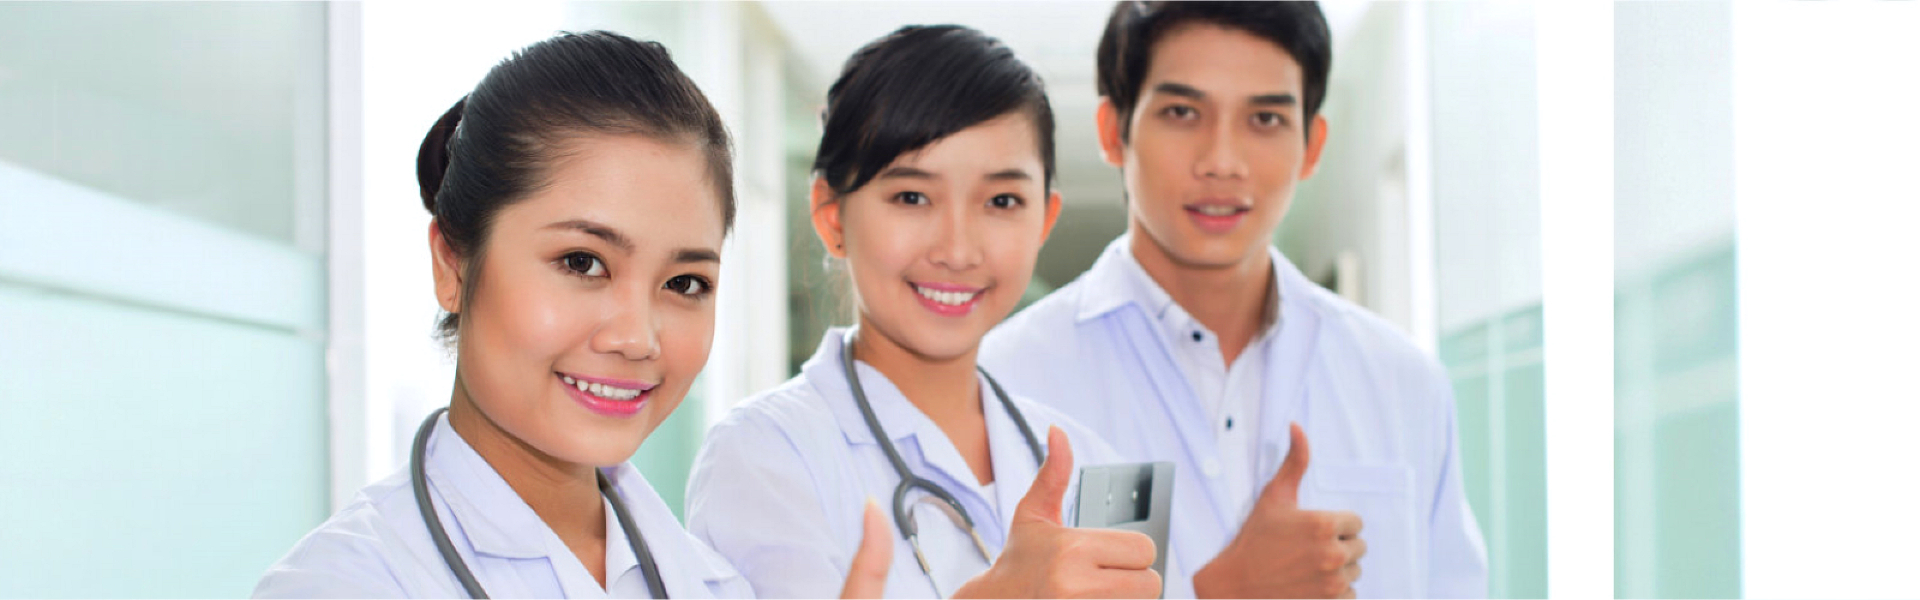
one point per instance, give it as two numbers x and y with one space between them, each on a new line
354 552
1357 342
795 411
1048 321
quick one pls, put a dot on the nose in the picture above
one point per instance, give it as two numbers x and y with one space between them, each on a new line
955 246
1221 157
628 329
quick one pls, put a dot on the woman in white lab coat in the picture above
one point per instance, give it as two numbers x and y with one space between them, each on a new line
580 195
933 182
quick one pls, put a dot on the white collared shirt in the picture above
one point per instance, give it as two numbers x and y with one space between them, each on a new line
1229 393
780 484
1378 412
378 546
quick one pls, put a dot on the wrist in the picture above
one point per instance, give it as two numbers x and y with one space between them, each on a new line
1213 579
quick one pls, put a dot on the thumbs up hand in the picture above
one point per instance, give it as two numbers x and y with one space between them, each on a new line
1283 551
1044 559
867 575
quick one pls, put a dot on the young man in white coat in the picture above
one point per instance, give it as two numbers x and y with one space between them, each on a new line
1193 340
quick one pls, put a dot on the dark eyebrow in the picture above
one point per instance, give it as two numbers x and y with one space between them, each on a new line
611 235
694 255
1010 175
1190 92
904 173
1180 89
1274 100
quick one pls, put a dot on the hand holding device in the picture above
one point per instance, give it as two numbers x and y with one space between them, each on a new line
1044 559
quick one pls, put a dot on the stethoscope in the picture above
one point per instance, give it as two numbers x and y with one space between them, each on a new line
908 480
418 467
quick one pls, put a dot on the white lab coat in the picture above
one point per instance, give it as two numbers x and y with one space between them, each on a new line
378 546
1378 413
780 484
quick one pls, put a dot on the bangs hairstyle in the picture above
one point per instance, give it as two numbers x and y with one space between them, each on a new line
497 144
915 86
1126 48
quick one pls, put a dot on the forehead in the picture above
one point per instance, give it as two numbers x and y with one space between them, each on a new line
1003 142
1218 59
656 192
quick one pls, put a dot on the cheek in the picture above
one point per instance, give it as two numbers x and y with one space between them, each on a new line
882 248
543 317
686 340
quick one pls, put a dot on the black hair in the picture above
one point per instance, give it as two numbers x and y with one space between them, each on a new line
1126 48
493 147
915 86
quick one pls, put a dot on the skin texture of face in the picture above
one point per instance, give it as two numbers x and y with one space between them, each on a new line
605 274
1216 147
962 218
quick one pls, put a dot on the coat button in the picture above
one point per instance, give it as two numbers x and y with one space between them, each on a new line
1211 468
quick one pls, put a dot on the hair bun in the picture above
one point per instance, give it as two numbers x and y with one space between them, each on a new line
436 152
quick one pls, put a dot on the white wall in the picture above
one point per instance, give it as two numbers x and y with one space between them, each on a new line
1824 130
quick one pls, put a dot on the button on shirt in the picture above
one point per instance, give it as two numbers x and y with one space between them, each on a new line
1107 351
1229 394
780 484
378 546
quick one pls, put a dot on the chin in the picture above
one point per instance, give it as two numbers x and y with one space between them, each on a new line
944 343
1201 250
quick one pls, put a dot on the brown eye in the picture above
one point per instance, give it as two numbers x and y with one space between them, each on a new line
689 285
1005 201
585 265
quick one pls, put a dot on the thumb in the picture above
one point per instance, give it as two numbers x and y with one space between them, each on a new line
867 575
1284 490
1042 502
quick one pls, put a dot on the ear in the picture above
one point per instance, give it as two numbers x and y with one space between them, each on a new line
446 269
1053 215
1316 140
826 219
1106 121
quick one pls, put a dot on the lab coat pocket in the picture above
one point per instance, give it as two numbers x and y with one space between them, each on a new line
1382 494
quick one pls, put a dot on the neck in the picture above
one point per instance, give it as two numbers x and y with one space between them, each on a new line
945 389
939 387
564 494
1230 300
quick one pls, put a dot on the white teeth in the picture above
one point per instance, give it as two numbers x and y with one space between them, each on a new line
1218 210
601 390
947 298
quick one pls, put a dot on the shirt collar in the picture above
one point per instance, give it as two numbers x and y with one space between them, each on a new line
902 420
685 566
897 415
1116 280
496 522
494 518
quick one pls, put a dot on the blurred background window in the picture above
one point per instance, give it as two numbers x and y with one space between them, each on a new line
163 294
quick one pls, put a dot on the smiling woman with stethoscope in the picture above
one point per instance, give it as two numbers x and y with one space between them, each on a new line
933 182
580 195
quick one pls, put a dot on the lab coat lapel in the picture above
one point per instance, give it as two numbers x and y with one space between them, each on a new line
1169 386
1289 361
1013 464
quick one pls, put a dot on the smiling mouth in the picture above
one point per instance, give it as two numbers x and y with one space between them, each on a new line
602 390
946 297
1217 210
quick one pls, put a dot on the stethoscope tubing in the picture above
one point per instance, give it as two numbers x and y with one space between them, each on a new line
908 480
417 467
